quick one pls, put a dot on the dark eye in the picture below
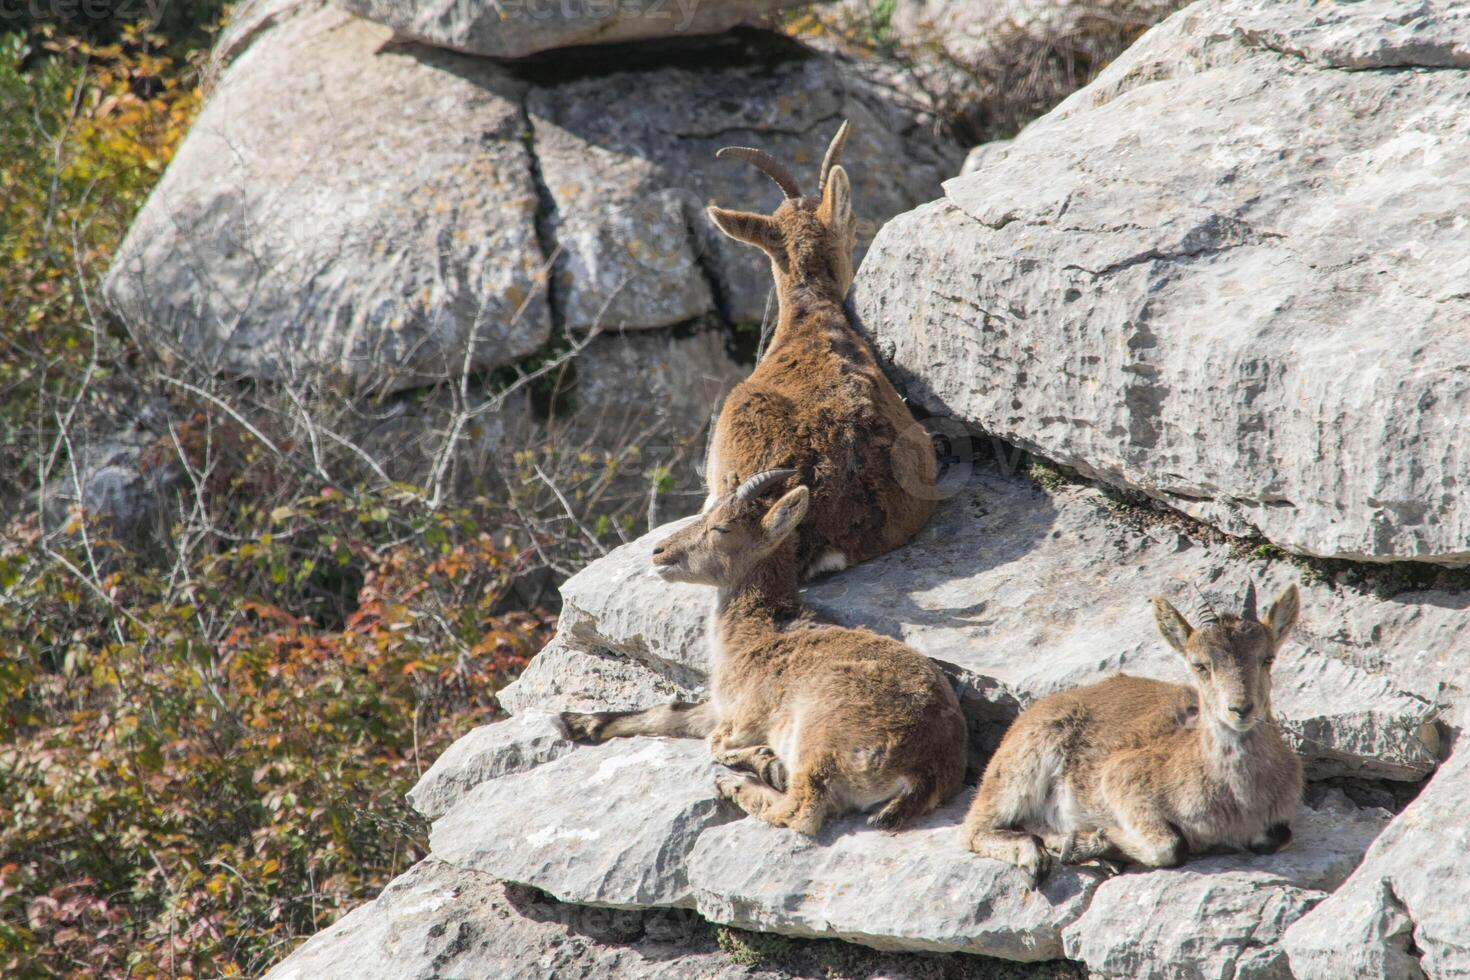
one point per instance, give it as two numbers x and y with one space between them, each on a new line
1202 669
721 529
1268 661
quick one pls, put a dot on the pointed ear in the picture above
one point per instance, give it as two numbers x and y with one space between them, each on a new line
1281 617
786 514
836 207
747 227
1174 627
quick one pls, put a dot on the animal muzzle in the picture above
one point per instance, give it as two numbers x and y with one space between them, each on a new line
666 563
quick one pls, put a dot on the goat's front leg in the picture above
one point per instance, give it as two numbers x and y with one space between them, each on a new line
728 736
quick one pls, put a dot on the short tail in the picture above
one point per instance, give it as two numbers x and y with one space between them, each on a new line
681 719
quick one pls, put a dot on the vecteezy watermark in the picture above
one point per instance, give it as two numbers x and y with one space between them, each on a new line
44 10
571 11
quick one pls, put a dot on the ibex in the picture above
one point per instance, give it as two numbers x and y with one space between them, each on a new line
1148 771
858 721
818 402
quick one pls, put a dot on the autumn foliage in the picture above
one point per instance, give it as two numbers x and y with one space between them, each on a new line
193 778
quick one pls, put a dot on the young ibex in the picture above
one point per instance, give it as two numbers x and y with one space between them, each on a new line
818 402
1147 771
855 719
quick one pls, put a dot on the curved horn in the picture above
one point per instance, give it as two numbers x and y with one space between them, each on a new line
833 157
756 485
765 163
1204 612
1248 604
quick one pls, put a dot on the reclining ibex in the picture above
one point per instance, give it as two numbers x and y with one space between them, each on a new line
1147 771
818 402
855 719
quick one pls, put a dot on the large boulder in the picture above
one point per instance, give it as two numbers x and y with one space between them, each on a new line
1229 273
627 179
517 28
390 214
321 215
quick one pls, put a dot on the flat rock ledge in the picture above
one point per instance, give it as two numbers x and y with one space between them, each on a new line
915 890
1367 688
634 824
604 825
1017 592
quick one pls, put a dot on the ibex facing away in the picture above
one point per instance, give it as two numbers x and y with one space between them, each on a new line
858 720
1149 771
818 402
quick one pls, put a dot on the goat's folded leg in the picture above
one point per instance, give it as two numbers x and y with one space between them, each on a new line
681 719
758 759
1017 847
747 792
808 800
1080 846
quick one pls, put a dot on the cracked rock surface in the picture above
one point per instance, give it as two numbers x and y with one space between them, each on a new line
1230 273
385 212
437 921
1221 916
1403 914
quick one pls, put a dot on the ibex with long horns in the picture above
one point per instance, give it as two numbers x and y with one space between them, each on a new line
818 403
1147 771
858 721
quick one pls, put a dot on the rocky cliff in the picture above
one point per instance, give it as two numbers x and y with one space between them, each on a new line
1224 285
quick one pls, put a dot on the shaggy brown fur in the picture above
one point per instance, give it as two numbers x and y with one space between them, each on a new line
818 401
858 720
1147 771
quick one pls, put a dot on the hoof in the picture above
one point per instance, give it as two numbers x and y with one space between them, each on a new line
583 726
728 787
1034 862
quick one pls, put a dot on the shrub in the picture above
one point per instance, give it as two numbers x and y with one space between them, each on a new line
196 774
85 131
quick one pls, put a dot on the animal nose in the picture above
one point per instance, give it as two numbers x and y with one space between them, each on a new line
1242 711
